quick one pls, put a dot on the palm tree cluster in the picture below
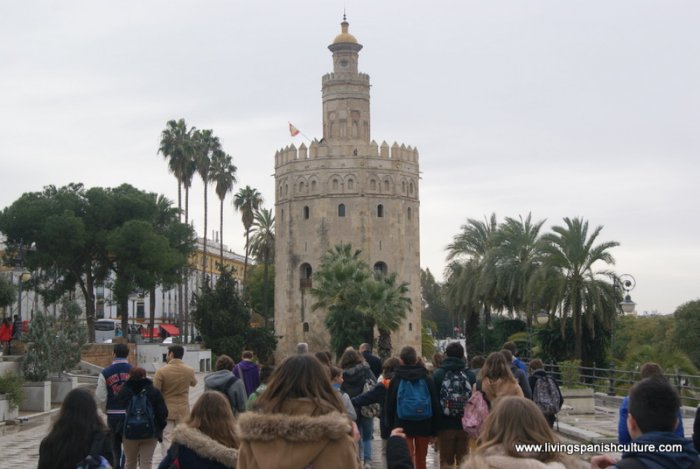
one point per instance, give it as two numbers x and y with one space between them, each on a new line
357 300
511 267
191 151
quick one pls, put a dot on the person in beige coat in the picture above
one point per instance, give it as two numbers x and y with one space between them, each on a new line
497 380
517 420
174 381
298 421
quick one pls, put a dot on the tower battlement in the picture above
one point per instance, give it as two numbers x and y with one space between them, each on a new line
348 150
358 78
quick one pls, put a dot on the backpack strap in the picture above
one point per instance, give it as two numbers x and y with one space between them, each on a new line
231 381
98 441
629 463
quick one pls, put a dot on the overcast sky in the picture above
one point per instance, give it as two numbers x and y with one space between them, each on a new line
577 108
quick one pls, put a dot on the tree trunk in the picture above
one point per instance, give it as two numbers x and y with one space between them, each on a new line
245 264
180 298
89 294
124 307
204 250
184 312
384 344
152 310
221 236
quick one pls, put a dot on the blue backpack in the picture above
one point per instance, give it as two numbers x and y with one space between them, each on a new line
138 422
413 400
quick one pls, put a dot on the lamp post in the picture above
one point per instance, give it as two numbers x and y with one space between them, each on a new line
627 283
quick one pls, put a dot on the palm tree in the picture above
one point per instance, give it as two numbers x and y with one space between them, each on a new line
247 200
577 290
514 259
262 246
206 144
176 146
385 304
223 175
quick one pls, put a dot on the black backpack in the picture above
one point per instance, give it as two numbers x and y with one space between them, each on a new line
139 422
94 460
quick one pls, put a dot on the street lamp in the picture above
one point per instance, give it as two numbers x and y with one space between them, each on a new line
542 317
627 282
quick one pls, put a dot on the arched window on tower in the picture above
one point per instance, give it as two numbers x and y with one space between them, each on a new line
380 211
372 185
386 185
313 186
410 188
380 268
408 213
305 273
335 184
301 187
351 184
306 327
306 212
403 186
341 210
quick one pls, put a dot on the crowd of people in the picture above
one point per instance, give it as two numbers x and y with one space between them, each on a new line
309 412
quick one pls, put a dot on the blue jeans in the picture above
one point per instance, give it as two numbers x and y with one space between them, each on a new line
366 427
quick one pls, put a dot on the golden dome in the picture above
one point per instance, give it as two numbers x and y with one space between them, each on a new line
344 36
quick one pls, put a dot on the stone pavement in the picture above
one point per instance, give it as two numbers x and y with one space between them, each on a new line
20 443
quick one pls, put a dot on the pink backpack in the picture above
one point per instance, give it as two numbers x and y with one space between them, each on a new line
475 413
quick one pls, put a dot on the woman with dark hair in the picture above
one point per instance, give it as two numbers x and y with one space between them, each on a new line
207 439
76 433
497 380
298 421
356 373
142 449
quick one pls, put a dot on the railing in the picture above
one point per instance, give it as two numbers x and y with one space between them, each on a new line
618 382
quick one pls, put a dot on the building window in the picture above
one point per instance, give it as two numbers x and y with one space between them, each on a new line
410 188
306 327
286 189
305 273
313 186
351 185
403 186
336 184
380 211
341 210
306 212
380 268
301 187
386 185
372 185
410 326
409 213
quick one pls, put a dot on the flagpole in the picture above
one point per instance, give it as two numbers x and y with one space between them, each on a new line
300 132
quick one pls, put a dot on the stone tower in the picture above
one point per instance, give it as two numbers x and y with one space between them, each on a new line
343 188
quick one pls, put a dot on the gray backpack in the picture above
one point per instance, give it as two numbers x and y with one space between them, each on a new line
547 396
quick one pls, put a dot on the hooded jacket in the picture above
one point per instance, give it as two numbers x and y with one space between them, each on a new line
660 460
235 393
354 379
494 390
451 364
249 372
304 434
496 457
160 410
197 450
428 427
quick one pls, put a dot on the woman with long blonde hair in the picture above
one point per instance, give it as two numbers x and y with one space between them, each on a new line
514 421
497 380
298 421
207 439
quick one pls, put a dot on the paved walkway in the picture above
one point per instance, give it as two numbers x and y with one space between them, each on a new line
20 443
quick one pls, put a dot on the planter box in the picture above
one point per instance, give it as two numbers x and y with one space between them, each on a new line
7 413
580 400
37 396
62 386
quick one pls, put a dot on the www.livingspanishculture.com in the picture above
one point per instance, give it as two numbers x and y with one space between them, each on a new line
581 448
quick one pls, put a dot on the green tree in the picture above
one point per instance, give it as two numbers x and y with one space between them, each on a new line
70 337
687 329
262 246
338 284
38 361
260 292
247 200
384 304
434 308
569 256
223 175
206 145
8 292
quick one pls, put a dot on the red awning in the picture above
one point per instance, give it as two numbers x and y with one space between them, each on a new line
170 329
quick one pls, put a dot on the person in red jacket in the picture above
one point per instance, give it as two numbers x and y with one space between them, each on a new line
6 334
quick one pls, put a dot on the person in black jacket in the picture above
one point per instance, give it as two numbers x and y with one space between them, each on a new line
142 450
356 373
375 364
519 374
419 432
76 433
377 395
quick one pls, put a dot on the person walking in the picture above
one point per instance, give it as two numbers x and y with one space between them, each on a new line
6 335
77 432
412 404
174 381
109 383
248 371
520 375
224 381
548 396
207 440
454 381
497 380
297 422
140 451
356 377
